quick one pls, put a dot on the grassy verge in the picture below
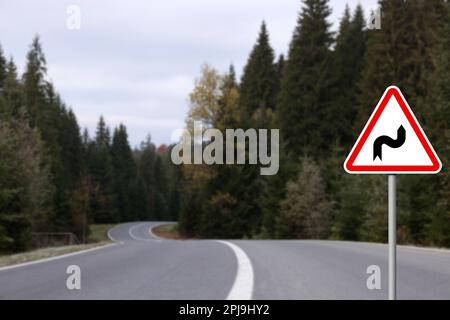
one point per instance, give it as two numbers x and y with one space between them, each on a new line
99 232
168 231
98 237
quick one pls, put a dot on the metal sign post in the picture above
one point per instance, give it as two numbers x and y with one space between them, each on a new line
379 151
392 193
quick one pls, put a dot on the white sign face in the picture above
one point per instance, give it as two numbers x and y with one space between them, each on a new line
392 142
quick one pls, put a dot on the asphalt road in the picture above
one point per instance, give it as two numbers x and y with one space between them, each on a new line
140 266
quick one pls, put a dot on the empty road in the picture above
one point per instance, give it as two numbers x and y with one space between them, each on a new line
141 266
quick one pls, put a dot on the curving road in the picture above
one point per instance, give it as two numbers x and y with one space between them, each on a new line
141 266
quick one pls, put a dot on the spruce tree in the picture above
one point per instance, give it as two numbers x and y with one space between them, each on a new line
12 90
305 209
161 189
25 189
350 210
72 150
259 81
348 59
3 70
125 173
438 229
146 168
279 68
103 136
34 82
69 173
305 86
101 171
405 53
228 115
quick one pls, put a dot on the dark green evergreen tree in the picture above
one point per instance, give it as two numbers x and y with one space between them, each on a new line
12 90
147 173
279 67
103 136
100 168
161 189
348 60
35 85
438 229
405 53
125 173
24 185
304 96
258 86
3 70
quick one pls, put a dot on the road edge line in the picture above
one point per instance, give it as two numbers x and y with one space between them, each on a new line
131 234
67 255
242 288
152 234
109 233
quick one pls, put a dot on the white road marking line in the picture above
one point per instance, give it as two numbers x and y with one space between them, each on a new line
58 257
111 237
68 254
130 233
242 288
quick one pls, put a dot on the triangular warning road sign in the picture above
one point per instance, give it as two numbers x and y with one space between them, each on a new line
392 142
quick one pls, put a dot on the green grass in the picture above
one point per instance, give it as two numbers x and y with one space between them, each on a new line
99 232
173 227
168 231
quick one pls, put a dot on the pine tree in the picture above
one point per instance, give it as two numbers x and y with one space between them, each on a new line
138 200
103 136
34 82
161 189
374 192
258 94
305 85
72 151
146 170
68 181
238 189
125 173
438 229
259 80
305 210
12 90
225 220
228 114
405 53
3 70
174 205
25 189
402 53
101 173
279 68
348 59
350 213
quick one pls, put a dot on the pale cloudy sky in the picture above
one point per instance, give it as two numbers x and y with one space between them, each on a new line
135 61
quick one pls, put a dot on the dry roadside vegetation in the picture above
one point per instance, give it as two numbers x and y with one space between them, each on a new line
168 231
98 237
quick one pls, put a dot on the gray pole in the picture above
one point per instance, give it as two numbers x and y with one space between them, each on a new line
392 237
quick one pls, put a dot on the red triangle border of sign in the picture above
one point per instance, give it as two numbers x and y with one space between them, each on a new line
436 164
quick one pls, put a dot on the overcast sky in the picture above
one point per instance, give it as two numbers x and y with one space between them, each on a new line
135 61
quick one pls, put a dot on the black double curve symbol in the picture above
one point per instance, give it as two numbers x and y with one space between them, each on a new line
397 143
